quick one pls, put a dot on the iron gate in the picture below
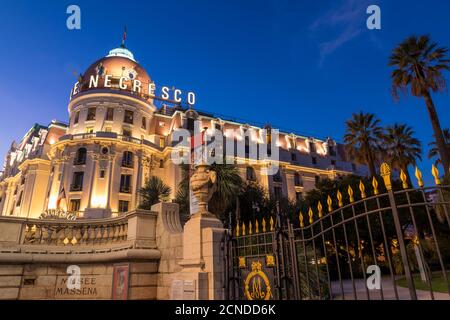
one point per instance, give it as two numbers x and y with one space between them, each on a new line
378 244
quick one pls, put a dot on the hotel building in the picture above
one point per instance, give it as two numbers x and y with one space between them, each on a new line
117 137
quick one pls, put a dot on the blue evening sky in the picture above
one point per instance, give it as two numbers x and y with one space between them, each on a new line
305 66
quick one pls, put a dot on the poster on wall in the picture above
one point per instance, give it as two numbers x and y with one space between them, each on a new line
120 282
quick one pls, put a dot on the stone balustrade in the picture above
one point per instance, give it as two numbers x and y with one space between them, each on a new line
74 233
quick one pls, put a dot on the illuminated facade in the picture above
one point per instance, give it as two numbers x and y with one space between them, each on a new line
117 137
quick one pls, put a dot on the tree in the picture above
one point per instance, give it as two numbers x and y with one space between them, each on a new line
362 139
229 184
434 152
419 64
401 147
154 191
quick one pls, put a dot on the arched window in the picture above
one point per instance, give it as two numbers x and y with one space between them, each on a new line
127 159
80 157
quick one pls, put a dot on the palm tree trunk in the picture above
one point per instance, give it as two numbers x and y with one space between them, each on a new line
371 162
440 141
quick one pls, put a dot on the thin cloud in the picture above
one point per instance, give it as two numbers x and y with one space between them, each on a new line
348 19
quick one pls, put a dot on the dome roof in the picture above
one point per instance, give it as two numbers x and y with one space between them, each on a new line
119 69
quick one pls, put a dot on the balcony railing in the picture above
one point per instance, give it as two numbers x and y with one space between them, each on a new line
109 135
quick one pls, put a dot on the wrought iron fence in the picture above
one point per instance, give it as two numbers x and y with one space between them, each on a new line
378 242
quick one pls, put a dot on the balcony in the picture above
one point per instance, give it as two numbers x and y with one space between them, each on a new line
108 135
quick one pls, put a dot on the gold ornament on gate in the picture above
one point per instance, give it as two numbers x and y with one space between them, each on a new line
257 284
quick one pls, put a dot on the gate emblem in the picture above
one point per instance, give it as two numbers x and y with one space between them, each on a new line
257 284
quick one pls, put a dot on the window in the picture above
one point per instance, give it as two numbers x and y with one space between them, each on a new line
161 163
293 157
19 200
89 129
331 151
314 160
109 114
91 114
15 191
299 196
126 132
80 156
247 146
125 183
277 177
127 159
278 193
128 117
333 162
298 181
312 147
190 124
77 117
102 174
251 176
108 129
22 181
353 167
74 205
123 206
77 181
1 199
161 142
144 123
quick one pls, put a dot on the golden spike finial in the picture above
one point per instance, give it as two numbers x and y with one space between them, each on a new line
250 228
404 179
350 194
375 185
310 214
419 177
362 188
319 209
339 196
271 224
243 228
435 172
237 230
300 218
256 226
385 171
330 204
264 224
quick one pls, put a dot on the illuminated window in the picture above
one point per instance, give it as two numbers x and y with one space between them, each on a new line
77 117
298 181
91 114
123 206
125 183
77 181
128 116
161 142
74 205
80 157
251 176
108 129
127 159
109 114
126 132
89 129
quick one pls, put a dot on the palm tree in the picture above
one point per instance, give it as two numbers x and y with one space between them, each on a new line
362 139
419 64
229 184
154 191
434 152
401 147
